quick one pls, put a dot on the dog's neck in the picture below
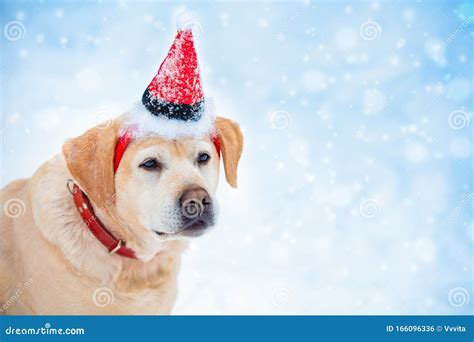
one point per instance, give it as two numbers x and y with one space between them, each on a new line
60 224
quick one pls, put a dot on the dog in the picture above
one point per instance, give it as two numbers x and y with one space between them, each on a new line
50 261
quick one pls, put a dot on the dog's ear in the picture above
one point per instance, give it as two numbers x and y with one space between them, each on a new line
90 160
232 141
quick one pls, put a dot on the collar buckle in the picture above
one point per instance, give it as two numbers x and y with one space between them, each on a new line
120 244
70 186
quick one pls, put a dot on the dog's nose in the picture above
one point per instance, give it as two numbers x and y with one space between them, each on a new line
195 202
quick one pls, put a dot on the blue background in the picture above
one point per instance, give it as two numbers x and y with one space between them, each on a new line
240 328
356 184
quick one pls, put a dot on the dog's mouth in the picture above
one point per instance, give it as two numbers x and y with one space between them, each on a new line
194 229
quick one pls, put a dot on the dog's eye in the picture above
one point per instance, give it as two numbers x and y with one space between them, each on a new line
203 158
150 164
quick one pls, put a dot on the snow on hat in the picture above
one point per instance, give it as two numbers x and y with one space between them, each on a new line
173 104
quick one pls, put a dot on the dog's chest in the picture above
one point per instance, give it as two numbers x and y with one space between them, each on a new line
148 288
139 288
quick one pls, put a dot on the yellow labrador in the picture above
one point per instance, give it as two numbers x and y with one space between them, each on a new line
51 263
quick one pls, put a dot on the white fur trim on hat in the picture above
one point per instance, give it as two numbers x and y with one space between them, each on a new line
147 124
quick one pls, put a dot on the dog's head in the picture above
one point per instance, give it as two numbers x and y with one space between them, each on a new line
163 189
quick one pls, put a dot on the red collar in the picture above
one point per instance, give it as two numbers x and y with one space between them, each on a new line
87 213
89 217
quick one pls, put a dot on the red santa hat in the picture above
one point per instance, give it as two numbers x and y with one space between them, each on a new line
175 92
173 104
